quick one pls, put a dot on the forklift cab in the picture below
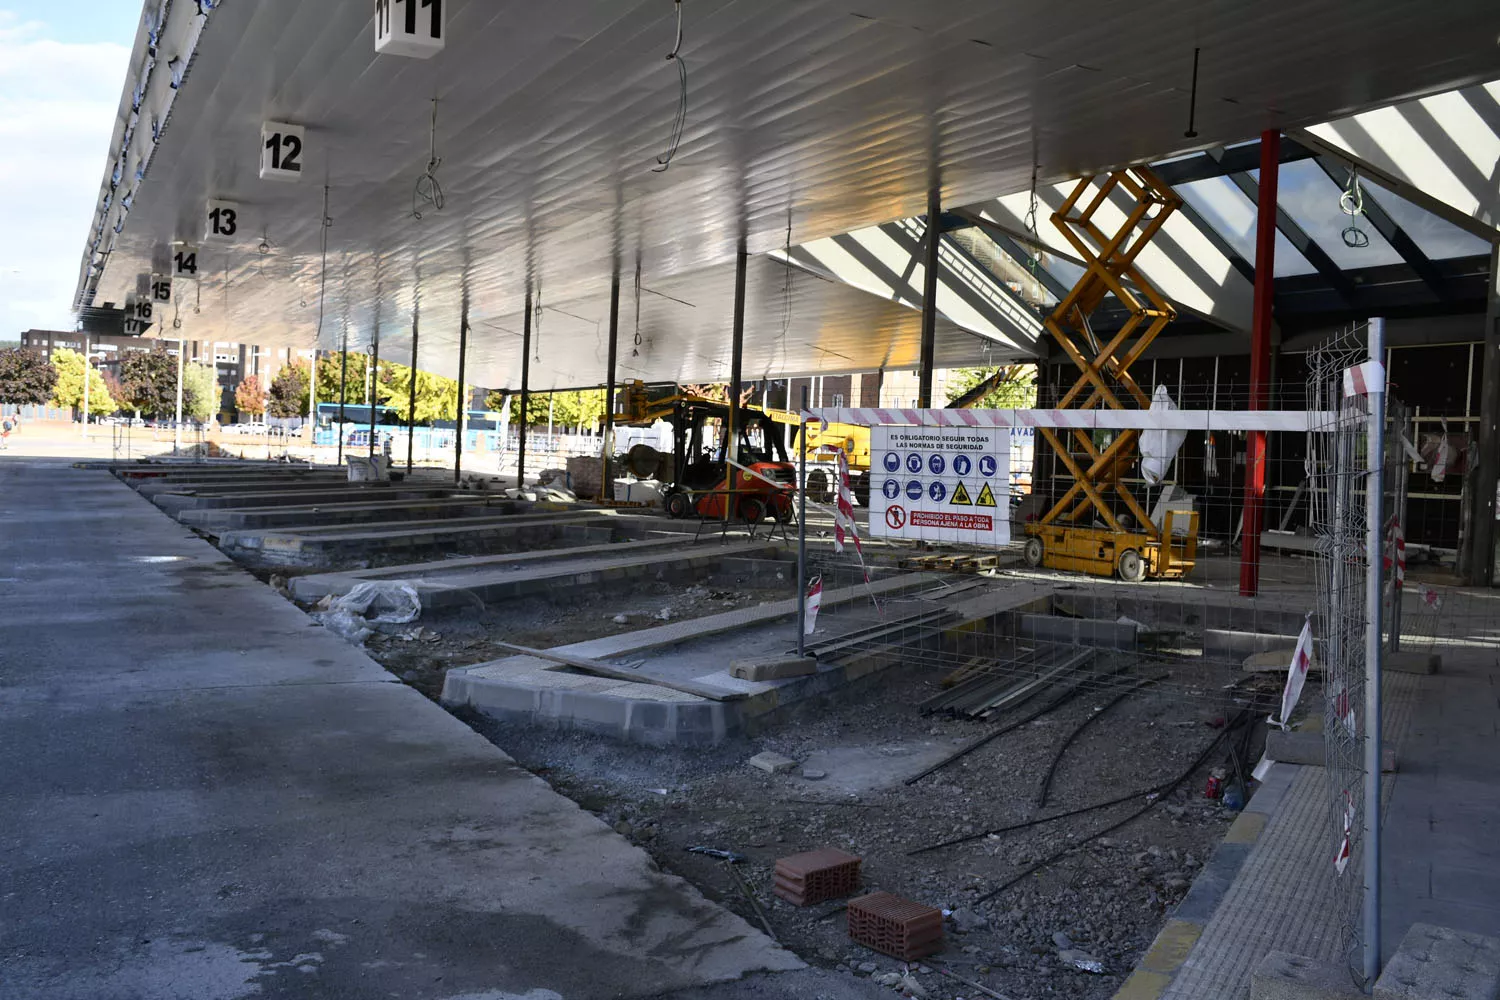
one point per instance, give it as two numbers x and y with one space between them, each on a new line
705 482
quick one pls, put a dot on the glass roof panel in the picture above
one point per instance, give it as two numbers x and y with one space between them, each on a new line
1312 200
1232 215
1434 235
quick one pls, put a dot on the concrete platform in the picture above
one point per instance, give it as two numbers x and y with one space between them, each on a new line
189 482
218 519
570 571
173 503
324 546
220 799
699 651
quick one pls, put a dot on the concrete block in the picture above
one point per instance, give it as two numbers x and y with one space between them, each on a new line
1275 661
773 668
1226 644
1413 663
1435 963
772 762
1282 976
1307 748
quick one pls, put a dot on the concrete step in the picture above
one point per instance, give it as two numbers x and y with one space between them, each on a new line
172 503
570 571
218 519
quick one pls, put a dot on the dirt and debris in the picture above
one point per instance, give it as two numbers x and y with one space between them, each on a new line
1075 928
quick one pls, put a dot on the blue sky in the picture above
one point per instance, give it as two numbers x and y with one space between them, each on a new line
62 68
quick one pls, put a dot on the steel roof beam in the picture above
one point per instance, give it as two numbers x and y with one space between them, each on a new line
1305 244
1393 233
1223 161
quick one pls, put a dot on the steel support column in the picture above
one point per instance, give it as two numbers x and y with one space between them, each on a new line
1374 588
929 295
606 470
736 356
463 401
373 396
1478 553
411 397
525 392
1260 361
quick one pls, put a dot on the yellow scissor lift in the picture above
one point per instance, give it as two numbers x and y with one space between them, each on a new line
1058 541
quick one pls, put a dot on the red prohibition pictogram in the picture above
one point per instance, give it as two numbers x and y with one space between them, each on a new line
895 517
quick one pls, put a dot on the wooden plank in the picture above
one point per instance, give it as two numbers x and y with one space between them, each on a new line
616 673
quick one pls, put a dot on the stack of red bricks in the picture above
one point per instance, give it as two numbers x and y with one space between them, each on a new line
896 927
815 876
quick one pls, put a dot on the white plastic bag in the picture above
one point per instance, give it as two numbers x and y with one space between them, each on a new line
1159 447
387 602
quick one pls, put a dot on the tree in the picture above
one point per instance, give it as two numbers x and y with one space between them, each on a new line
68 389
330 373
579 408
288 395
1015 387
201 395
149 382
250 396
437 396
25 377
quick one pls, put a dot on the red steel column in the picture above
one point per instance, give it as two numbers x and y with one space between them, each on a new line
1260 362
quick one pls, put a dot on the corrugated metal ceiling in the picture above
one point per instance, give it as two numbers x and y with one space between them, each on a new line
833 115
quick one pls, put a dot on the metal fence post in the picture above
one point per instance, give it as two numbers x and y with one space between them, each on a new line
802 530
1400 473
1374 532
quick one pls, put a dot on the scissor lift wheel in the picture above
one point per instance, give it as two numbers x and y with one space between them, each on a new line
1033 552
1131 567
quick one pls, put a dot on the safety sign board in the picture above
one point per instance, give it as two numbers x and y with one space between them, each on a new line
942 484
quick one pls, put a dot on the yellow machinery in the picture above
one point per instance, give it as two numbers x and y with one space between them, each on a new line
1130 545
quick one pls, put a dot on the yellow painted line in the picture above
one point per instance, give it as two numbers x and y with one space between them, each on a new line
1171 947
1144 985
1246 829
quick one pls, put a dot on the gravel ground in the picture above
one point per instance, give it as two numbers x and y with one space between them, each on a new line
1104 901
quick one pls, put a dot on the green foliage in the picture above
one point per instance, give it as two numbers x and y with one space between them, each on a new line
25 377
68 390
250 396
201 395
288 395
149 382
437 397
1016 389
580 408
329 376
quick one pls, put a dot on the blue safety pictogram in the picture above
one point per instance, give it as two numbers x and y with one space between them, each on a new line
937 465
962 464
891 489
986 465
914 490
938 492
892 461
913 462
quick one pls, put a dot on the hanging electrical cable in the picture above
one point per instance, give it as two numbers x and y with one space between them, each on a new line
635 351
427 190
536 322
323 225
679 121
1352 204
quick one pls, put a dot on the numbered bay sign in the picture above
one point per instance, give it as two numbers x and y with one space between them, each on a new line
184 262
281 151
409 28
223 221
138 313
161 289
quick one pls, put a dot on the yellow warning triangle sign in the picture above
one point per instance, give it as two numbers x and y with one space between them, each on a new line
960 497
986 498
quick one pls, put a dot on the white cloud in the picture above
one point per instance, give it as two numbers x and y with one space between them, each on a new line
57 113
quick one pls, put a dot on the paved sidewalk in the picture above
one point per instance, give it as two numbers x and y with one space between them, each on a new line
1441 848
208 797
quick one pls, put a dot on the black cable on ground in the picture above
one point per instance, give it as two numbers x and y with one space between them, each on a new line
1041 795
1162 791
968 748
